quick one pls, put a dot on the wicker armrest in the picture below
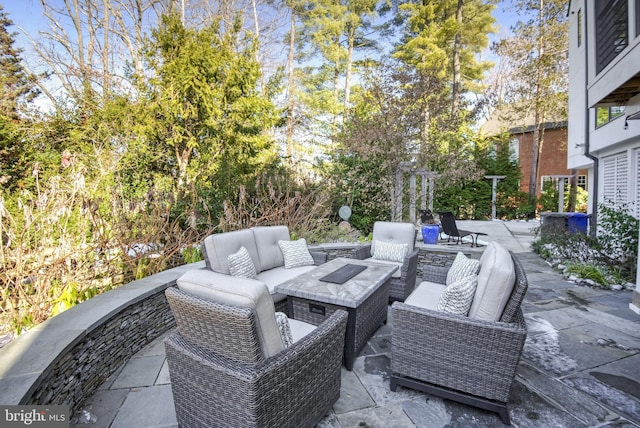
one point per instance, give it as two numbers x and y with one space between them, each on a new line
437 274
409 265
361 252
470 355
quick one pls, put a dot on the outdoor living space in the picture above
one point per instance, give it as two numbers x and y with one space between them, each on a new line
578 368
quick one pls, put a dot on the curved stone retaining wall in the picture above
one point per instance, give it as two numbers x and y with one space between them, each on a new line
67 357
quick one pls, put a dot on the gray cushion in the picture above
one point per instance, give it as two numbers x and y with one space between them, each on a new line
461 268
392 251
389 231
275 276
457 297
266 241
299 329
295 253
496 279
219 246
240 264
241 292
426 295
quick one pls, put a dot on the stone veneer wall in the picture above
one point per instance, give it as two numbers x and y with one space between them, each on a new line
83 368
66 358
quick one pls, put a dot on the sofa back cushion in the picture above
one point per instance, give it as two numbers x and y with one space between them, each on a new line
495 283
218 247
266 239
389 231
243 293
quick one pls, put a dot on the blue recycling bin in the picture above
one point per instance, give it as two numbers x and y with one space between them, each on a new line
577 222
430 233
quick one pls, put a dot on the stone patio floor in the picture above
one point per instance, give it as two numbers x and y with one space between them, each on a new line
580 366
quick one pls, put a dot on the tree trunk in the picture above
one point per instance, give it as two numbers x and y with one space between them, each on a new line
456 86
347 78
291 83
539 117
106 30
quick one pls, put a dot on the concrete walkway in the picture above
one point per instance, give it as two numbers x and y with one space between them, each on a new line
580 367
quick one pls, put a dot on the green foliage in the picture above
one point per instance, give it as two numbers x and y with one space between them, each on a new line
613 253
589 271
617 236
205 119
361 184
192 254
471 198
17 85
548 200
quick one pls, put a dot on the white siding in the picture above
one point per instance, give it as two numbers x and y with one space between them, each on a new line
615 178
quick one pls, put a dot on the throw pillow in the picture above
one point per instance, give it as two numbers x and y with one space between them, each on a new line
295 253
285 329
240 264
392 251
462 267
458 296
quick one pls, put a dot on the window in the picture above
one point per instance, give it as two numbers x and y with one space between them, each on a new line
580 27
614 177
605 115
581 182
551 182
514 150
612 30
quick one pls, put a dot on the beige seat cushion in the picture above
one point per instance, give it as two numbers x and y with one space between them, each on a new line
300 329
496 279
426 295
275 276
240 292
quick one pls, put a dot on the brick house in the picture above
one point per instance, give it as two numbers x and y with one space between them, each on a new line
553 155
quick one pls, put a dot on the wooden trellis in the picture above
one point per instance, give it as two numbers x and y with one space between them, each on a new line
426 190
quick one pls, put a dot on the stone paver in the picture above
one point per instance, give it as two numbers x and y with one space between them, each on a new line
579 367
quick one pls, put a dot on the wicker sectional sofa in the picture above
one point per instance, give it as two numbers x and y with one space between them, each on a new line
266 255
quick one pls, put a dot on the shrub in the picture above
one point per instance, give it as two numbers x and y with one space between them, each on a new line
610 256
617 236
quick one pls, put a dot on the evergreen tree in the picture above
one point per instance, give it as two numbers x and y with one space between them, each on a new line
440 46
16 83
17 86
205 113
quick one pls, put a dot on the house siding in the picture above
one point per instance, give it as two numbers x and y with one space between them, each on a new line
553 156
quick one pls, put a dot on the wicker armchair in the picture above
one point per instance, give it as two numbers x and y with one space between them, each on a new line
404 282
456 357
220 376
